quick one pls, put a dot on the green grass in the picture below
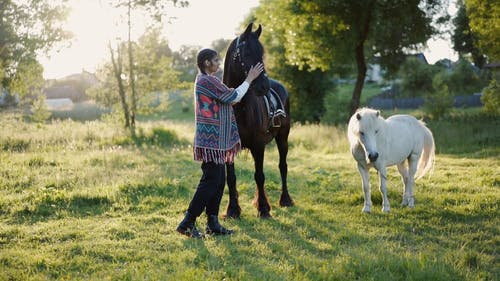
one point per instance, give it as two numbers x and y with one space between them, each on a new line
86 201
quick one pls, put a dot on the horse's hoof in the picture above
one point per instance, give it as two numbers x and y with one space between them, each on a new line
386 209
264 215
366 210
286 202
232 214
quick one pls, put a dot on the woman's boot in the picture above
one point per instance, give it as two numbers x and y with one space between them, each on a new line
187 227
214 227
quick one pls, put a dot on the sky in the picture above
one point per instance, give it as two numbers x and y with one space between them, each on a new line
94 25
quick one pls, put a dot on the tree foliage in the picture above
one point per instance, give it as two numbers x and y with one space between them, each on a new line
28 27
439 100
484 19
321 34
306 87
491 98
154 72
416 78
155 9
463 39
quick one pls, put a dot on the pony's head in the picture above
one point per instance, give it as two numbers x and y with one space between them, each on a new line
244 52
364 127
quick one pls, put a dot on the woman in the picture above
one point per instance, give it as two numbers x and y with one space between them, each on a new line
216 141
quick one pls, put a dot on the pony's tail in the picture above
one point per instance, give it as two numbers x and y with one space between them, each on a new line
428 156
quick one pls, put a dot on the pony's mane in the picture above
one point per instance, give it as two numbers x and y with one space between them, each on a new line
366 113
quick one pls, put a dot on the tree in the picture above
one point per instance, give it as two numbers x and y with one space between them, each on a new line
27 28
491 98
463 39
484 20
307 88
153 69
185 62
156 9
416 78
438 101
465 80
321 34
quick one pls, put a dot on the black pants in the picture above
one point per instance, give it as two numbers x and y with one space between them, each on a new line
209 191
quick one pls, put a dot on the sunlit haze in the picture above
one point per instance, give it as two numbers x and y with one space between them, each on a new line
94 25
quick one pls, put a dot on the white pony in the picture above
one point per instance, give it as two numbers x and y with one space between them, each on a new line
379 143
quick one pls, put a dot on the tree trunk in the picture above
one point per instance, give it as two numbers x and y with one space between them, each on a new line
360 79
117 69
360 62
131 70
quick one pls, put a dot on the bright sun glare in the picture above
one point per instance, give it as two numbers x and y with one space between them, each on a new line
94 24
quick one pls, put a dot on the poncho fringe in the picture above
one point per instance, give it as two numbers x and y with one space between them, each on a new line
216 156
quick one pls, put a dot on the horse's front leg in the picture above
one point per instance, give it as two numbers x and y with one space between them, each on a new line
382 175
233 209
260 201
282 143
365 178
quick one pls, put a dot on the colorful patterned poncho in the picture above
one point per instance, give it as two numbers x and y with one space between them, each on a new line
216 138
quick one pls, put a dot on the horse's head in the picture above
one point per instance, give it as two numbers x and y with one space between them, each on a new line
244 52
364 126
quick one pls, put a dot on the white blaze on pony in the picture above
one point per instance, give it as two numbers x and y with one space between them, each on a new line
379 143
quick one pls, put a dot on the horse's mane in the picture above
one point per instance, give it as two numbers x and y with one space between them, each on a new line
249 105
227 64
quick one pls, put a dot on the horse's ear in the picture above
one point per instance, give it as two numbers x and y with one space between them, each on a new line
258 31
248 29
358 116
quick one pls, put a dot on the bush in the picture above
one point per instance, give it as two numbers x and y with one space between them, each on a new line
439 101
39 110
491 98
336 110
417 78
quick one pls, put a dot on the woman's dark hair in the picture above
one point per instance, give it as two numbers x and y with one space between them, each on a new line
203 55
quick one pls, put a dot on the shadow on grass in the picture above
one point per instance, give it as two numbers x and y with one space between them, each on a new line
57 206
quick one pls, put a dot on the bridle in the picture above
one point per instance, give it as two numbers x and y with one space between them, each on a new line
237 56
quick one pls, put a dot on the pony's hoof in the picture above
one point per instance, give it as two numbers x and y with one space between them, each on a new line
367 210
386 209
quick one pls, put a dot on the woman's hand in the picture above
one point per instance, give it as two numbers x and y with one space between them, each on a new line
254 72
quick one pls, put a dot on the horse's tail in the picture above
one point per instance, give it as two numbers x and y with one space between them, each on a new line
427 158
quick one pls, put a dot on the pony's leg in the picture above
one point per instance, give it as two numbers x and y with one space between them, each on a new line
382 175
412 169
365 177
260 200
282 143
403 171
233 209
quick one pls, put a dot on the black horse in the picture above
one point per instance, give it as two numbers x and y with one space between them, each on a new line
256 126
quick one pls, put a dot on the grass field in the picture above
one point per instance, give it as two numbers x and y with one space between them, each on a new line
85 201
